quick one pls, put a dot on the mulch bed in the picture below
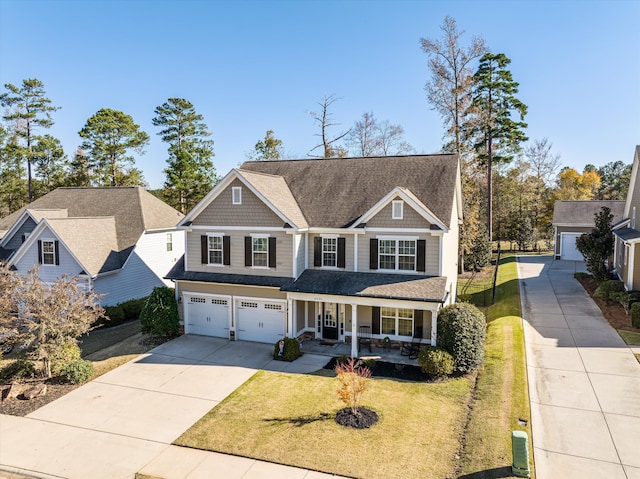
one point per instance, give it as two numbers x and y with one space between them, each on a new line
383 369
22 407
363 420
613 312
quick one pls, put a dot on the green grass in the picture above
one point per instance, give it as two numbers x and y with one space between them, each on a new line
501 394
630 337
289 419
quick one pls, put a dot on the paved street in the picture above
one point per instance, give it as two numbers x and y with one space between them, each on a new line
124 421
584 382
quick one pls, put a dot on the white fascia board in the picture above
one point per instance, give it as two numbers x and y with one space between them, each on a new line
15 226
33 237
365 301
405 230
237 228
621 224
419 207
337 231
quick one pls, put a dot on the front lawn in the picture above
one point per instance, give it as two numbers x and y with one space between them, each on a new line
288 419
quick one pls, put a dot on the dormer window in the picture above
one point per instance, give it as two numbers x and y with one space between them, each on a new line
397 207
236 195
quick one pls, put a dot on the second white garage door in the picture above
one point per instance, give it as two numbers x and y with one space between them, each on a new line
568 249
207 315
261 321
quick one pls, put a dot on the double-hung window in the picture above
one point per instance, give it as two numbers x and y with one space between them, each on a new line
396 321
216 249
169 242
48 252
330 252
260 251
397 254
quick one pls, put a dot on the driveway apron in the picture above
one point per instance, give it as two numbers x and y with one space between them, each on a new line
584 381
115 425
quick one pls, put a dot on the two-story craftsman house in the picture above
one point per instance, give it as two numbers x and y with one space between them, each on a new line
323 246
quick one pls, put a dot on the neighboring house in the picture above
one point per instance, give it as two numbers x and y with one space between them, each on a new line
120 241
571 219
323 247
626 253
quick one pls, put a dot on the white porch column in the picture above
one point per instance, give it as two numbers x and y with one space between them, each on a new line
354 330
434 327
290 318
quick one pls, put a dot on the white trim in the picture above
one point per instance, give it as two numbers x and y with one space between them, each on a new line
630 263
440 255
572 233
413 202
406 230
236 195
355 253
260 235
396 237
52 241
397 209
338 231
306 251
215 235
364 301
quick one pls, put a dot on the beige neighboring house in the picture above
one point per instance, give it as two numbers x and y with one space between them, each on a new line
119 241
330 248
571 219
626 254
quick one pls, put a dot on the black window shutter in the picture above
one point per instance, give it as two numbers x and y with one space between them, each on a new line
417 323
373 253
248 257
317 251
226 250
204 249
39 252
23 238
375 320
341 252
56 248
421 261
272 252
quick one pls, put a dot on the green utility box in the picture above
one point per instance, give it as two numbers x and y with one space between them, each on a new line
520 451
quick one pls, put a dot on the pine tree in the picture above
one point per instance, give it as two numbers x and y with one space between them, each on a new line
269 149
190 173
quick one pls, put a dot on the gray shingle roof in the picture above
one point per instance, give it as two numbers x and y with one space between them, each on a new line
581 213
134 209
178 273
333 193
372 285
627 234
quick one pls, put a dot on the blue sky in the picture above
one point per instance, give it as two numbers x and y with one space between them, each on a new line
251 66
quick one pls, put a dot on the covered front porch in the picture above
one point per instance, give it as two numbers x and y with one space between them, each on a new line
339 348
342 308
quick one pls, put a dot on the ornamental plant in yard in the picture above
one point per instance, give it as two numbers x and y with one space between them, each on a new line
159 315
352 380
462 331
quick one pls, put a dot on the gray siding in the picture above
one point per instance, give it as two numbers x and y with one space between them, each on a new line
299 307
410 219
301 252
252 211
284 254
16 240
432 251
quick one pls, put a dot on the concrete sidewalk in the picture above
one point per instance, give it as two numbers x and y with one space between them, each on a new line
124 421
584 382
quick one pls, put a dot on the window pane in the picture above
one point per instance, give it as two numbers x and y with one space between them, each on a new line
215 242
329 252
387 262
405 327
387 247
407 263
260 259
48 252
407 247
260 244
388 316
329 259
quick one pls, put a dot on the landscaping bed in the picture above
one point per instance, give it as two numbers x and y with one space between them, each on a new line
382 369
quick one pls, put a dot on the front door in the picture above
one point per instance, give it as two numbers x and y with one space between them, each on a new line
329 320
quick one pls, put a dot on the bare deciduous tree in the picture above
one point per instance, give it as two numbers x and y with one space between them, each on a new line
368 137
323 119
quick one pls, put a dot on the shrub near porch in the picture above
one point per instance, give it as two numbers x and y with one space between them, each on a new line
289 419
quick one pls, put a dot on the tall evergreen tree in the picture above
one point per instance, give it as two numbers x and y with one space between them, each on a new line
190 173
13 187
29 110
49 161
108 137
498 135
79 172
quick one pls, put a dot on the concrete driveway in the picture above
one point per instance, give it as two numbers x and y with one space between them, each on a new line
125 420
584 382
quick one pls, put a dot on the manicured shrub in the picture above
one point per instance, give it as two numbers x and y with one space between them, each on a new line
635 315
461 332
435 361
67 353
607 288
290 352
159 316
77 371
18 369
133 308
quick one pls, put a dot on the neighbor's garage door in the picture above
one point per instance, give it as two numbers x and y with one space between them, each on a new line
207 315
568 249
259 320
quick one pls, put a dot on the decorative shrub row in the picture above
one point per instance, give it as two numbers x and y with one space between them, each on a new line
77 371
121 312
436 361
290 351
607 289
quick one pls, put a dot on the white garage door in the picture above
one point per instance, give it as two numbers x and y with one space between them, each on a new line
259 320
207 315
568 249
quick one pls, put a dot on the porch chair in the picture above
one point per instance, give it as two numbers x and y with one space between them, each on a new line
411 349
364 337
